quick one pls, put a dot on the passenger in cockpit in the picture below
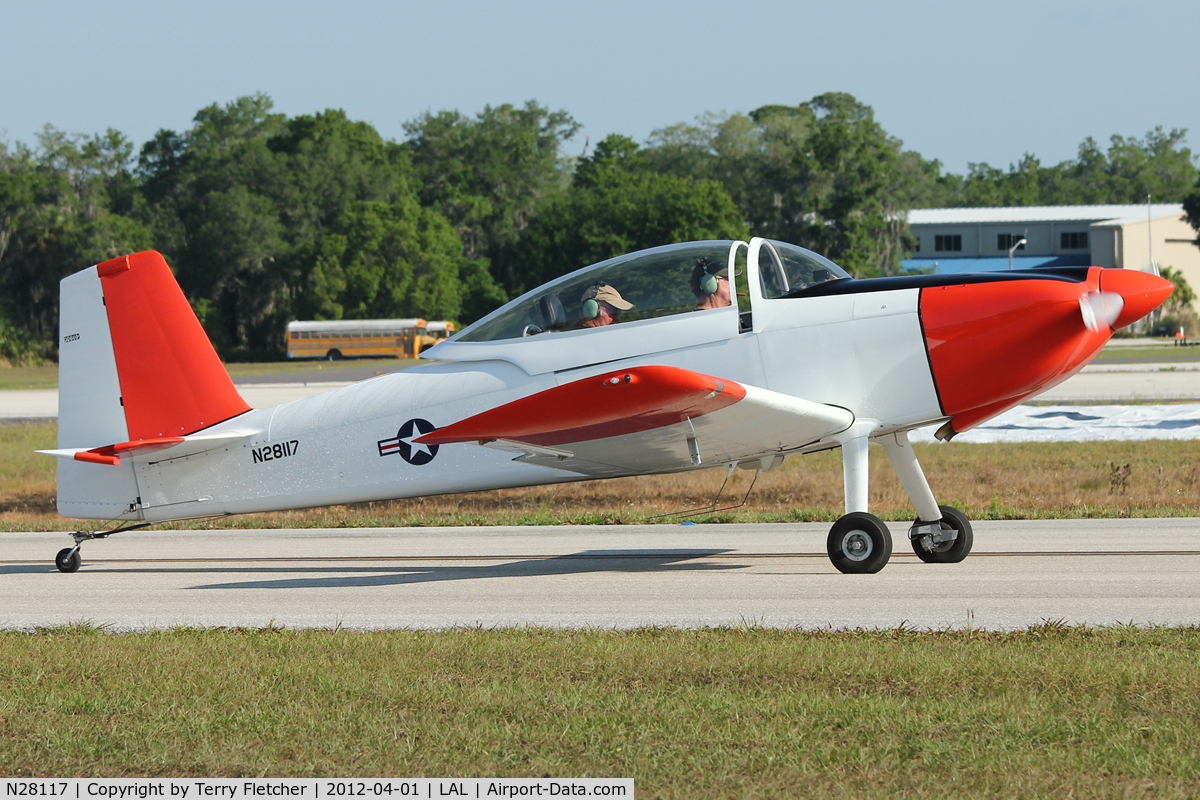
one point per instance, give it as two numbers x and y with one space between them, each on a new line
710 284
601 305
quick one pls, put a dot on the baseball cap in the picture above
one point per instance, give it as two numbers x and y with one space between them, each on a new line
602 292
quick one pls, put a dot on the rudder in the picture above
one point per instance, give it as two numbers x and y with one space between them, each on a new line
172 382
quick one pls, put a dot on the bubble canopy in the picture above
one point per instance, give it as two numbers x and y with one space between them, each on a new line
656 283
785 270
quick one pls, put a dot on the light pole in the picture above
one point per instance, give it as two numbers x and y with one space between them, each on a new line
1016 244
1148 322
1150 238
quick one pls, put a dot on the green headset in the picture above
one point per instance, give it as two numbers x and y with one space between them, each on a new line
591 306
708 283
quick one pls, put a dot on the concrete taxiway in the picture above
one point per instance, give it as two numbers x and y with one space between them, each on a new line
1129 383
1094 572
1097 383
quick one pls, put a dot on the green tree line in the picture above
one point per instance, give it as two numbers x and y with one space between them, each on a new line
267 218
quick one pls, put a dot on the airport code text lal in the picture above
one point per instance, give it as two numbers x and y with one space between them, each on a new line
142 790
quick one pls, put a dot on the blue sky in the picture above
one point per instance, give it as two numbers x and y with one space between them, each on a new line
959 81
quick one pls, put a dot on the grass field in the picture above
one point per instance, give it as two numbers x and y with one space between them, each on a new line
277 367
989 481
1167 353
1046 712
46 376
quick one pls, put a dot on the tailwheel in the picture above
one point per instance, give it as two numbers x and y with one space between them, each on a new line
859 543
68 559
945 542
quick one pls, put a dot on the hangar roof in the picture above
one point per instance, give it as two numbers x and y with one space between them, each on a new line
949 264
953 216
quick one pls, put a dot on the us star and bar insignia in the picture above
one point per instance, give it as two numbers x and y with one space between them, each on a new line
414 453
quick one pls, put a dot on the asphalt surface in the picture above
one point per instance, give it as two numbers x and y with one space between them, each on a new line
1097 383
1094 572
1106 382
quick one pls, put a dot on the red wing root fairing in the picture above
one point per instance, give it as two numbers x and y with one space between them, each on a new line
647 419
613 404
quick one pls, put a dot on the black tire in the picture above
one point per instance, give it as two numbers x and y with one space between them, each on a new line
859 543
334 355
68 560
948 552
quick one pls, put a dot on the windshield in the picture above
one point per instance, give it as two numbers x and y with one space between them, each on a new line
652 283
786 269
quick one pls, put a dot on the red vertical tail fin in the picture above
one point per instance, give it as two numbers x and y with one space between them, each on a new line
172 382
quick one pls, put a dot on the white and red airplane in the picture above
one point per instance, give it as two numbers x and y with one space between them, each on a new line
633 366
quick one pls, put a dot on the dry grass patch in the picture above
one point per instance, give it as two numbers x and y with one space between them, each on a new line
989 481
46 375
31 377
249 369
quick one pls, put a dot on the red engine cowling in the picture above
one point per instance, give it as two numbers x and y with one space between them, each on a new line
992 345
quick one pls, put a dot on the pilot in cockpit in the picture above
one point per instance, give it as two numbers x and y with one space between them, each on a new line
601 305
710 284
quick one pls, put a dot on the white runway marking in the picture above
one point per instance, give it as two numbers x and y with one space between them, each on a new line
1095 572
1082 424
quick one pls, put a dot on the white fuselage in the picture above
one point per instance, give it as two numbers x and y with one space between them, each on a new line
862 352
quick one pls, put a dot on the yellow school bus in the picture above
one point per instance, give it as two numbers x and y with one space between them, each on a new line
352 338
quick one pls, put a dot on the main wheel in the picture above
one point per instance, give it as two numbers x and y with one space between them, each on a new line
859 543
950 552
68 560
334 355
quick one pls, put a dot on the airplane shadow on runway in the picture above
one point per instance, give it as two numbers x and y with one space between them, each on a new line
587 561
573 564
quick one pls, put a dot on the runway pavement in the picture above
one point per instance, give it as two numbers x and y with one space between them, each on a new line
1097 383
1123 383
1094 572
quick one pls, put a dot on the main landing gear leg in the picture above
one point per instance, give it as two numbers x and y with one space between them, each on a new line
940 534
69 559
859 542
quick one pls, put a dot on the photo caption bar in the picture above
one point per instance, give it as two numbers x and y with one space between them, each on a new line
314 788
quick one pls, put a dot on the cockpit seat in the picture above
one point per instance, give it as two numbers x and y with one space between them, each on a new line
552 311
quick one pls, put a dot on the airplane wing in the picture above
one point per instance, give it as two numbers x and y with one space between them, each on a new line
647 419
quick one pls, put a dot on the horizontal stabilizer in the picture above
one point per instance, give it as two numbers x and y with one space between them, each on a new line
144 449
